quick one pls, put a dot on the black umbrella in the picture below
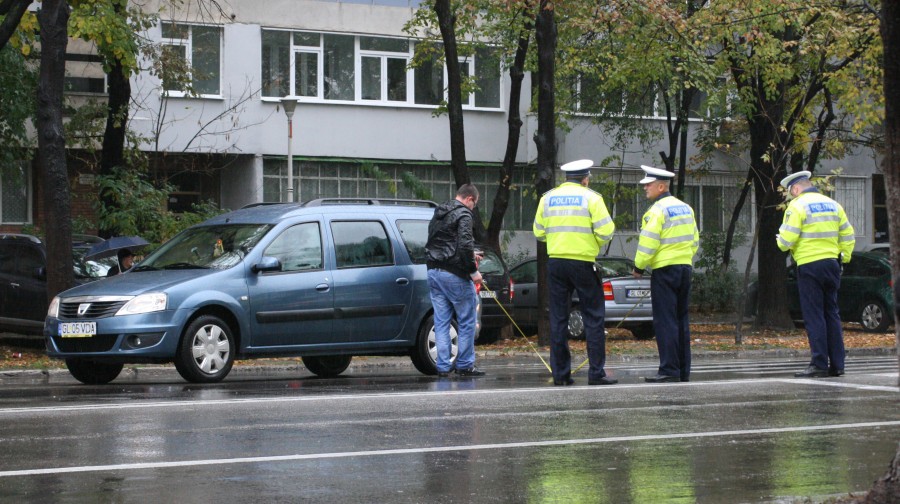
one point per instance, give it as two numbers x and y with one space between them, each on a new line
113 245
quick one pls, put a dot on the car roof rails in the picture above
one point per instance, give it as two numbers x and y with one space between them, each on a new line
370 201
20 236
262 203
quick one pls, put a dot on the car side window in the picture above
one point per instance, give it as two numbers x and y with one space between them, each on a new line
29 260
526 273
7 259
414 234
360 244
298 248
490 264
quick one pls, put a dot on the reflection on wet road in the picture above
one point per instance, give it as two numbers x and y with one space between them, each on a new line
741 431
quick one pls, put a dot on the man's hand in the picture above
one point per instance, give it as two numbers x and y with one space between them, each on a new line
476 277
637 274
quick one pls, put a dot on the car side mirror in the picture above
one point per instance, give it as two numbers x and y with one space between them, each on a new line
267 263
40 273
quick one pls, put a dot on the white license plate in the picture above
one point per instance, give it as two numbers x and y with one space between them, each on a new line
637 293
77 329
488 294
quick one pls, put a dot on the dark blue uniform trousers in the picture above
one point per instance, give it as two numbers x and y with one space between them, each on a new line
567 275
818 283
670 294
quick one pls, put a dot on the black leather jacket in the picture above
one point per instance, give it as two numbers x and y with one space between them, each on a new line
451 246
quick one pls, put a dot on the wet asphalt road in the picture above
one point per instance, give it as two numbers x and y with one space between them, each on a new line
740 431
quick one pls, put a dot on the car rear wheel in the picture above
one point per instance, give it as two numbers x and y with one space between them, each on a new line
576 324
327 366
424 354
643 331
92 372
874 317
206 351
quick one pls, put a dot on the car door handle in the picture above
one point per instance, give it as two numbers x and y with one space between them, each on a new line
14 284
323 287
402 281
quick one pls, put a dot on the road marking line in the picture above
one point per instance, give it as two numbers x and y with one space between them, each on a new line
830 383
428 393
438 449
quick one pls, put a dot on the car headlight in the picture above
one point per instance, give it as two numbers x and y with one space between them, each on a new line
145 303
53 311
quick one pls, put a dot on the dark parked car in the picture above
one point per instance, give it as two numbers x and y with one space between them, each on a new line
497 297
627 298
23 278
324 280
865 295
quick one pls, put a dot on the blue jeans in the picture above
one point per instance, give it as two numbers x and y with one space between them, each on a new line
451 294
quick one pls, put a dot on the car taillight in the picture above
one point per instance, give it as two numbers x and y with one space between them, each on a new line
512 290
608 292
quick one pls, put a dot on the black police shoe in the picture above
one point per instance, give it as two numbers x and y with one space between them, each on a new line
603 381
473 371
564 383
661 378
811 372
835 372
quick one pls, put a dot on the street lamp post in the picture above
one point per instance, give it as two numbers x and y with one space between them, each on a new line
289 105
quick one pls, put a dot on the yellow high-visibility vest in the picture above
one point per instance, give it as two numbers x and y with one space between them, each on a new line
815 227
574 222
669 235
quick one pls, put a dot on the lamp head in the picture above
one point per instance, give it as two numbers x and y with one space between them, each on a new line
289 105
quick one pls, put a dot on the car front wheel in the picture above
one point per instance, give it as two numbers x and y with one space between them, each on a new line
874 317
576 324
206 351
92 372
327 366
424 354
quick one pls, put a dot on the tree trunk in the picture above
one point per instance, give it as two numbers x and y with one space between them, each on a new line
447 22
53 18
514 122
887 488
545 139
113 154
735 216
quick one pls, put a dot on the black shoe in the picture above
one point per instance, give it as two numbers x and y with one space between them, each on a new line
444 374
835 372
603 381
661 378
685 378
470 372
564 383
811 372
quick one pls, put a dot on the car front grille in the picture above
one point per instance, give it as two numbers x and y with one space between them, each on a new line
94 309
98 343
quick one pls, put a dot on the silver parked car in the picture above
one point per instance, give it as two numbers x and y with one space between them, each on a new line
627 298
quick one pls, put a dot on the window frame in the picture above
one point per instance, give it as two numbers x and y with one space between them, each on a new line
188 44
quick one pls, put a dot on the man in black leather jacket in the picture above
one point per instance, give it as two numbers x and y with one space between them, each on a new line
452 273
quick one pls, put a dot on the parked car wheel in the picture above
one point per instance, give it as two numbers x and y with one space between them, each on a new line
874 316
206 352
576 324
643 331
327 366
93 372
424 355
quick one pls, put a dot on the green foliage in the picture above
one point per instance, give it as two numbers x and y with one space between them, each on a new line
18 80
139 207
712 248
716 291
113 27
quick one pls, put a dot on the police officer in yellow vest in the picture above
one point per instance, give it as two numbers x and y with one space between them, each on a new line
574 222
817 233
669 239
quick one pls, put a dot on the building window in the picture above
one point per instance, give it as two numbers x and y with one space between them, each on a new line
191 59
351 68
15 187
879 209
84 74
850 192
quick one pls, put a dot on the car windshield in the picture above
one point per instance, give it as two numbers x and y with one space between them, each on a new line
92 269
615 267
217 247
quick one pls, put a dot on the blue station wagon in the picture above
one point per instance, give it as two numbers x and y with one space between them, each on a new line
324 280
